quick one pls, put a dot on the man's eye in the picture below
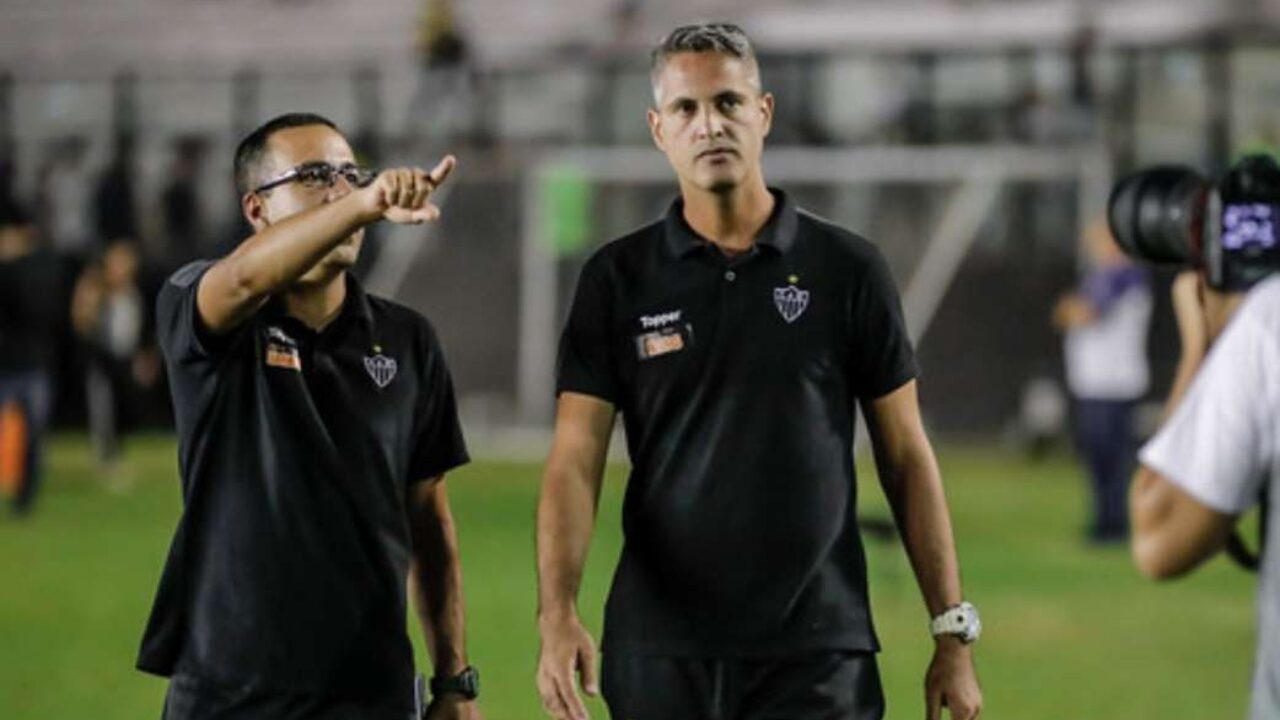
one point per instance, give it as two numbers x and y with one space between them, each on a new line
314 176
731 103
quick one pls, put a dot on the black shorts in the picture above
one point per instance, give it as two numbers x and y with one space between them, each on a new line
821 686
194 698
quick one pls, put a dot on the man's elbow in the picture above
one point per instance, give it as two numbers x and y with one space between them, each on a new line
1156 561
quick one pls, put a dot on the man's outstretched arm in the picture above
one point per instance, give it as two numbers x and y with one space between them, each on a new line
280 253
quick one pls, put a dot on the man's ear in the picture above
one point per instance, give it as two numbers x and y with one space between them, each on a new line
255 211
654 119
766 109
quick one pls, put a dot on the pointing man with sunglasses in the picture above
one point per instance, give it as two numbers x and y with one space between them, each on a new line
315 426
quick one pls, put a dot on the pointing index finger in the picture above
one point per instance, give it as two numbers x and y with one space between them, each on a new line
441 171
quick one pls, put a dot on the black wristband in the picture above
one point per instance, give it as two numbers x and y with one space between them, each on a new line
465 684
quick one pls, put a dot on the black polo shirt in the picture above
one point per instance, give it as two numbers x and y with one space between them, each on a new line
297 450
738 383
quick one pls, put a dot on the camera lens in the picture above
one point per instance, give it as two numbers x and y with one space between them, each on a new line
1152 213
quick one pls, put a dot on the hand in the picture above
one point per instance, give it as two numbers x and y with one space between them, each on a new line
1188 309
401 194
452 707
1072 310
951 682
566 647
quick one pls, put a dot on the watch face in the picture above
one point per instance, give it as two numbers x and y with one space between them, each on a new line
471 681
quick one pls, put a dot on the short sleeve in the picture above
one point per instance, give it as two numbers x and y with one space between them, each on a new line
179 329
881 357
1219 444
586 357
438 443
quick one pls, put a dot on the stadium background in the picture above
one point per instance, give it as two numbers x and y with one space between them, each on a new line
970 140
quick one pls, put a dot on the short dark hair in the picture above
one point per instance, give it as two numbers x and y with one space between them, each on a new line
253 147
718 37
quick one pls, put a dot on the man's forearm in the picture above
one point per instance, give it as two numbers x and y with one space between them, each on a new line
914 490
281 253
436 587
566 517
273 258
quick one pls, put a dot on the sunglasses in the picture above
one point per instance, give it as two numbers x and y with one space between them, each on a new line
319 174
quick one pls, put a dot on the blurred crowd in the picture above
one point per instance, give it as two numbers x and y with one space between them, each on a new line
77 278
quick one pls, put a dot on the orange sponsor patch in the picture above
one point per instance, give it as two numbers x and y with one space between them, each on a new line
660 342
283 356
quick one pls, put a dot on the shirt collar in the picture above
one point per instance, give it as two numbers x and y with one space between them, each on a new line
779 232
355 306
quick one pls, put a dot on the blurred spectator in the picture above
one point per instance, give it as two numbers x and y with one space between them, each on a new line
110 317
63 197
180 202
627 26
1106 322
29 310
443 103
114 213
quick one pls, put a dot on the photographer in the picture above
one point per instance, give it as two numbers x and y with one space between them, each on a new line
1218 450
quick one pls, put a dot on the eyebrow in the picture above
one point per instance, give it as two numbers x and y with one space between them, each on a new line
722 95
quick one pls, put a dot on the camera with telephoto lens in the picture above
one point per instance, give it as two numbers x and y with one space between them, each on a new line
1229 229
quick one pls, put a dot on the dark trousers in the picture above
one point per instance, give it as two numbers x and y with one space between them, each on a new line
33 392
828 685
1104 436
194 698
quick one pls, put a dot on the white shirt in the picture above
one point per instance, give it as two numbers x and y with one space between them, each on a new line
1221 446
1107 359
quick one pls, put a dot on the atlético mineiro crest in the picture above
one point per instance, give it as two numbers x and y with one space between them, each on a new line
790 301
381 368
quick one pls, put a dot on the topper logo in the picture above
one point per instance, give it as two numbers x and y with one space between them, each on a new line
656 321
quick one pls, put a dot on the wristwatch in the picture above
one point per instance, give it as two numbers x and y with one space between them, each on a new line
465 683
959 620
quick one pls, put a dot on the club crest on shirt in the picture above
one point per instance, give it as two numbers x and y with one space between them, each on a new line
791 302
381 368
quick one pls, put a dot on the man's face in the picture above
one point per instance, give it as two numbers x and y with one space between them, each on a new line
710 119
290 148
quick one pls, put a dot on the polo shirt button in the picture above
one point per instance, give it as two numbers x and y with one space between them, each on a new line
730 275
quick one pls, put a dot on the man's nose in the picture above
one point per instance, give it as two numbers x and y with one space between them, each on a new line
710 124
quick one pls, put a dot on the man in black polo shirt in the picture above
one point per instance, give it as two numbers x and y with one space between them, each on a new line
315 425
737 336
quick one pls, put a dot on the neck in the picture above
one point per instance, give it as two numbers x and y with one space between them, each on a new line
317 304
729 219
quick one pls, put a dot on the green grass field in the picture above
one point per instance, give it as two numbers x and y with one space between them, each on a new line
1071 631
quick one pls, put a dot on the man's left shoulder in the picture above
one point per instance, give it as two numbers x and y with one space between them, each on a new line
834 242
395 319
